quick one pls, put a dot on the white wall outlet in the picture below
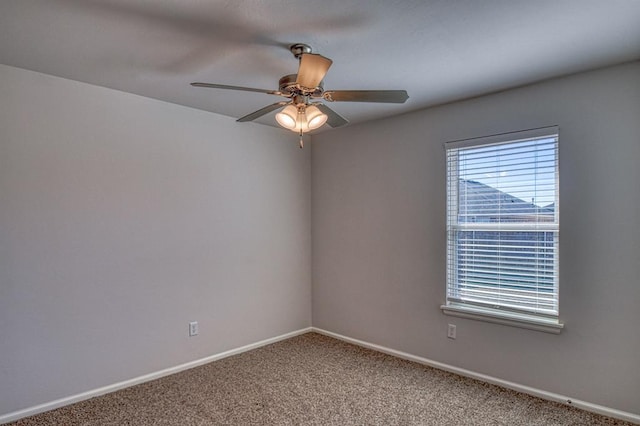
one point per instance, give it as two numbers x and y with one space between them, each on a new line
451 331
193 328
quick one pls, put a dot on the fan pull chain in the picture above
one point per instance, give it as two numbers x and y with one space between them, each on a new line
301 141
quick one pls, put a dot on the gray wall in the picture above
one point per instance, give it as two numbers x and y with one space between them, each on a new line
122 219
378 229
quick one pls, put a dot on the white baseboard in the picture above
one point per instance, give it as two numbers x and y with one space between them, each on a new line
550 396
16 415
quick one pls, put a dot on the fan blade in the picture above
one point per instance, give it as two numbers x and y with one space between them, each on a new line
387 96
245 89
262 111
312 70
334 119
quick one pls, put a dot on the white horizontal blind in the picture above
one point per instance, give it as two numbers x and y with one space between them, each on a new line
502 223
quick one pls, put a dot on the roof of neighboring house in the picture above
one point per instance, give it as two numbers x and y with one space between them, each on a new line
483 203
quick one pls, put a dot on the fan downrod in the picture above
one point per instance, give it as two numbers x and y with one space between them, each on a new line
299 49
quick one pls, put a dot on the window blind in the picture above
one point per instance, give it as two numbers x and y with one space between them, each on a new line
502 223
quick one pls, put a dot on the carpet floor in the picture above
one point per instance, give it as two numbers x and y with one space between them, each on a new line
315 380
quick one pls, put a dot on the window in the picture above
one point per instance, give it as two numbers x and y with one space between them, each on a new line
502 229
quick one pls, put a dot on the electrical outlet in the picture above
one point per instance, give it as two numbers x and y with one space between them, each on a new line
193 328
451 331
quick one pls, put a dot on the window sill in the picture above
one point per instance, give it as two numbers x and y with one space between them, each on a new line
504 318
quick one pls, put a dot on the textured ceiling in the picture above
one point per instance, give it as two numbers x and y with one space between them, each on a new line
438 50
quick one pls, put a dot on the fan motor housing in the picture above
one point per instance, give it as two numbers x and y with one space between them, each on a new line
288 85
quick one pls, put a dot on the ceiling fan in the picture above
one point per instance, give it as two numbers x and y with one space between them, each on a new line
301 112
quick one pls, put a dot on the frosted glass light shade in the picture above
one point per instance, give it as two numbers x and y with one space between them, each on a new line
315 118
288 117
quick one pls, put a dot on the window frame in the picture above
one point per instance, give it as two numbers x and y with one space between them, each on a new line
546 322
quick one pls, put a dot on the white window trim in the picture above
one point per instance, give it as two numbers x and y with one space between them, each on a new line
522 320
529 322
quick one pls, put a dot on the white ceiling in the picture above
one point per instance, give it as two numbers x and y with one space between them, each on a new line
438 50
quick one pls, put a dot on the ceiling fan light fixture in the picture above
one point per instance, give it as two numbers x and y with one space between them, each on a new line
288 117
302 118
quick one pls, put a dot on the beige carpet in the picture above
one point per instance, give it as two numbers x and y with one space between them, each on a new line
315 380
